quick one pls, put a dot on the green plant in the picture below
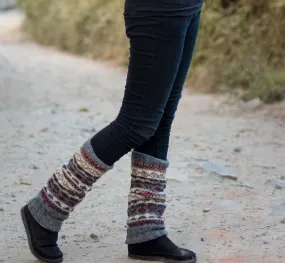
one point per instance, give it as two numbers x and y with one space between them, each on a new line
241 43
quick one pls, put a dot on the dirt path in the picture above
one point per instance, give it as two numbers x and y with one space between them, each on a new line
50 103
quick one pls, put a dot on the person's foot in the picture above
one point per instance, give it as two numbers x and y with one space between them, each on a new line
161 249
42 242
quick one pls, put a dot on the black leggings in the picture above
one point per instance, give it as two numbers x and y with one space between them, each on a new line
161 49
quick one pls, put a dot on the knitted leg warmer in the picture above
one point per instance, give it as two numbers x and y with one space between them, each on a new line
67 188
146 199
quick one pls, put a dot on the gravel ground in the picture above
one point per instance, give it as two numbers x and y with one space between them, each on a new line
225 183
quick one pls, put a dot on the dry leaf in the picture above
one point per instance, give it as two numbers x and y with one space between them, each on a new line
84 110
25 183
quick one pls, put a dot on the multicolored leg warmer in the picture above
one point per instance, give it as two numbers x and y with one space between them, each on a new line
67 188
146 199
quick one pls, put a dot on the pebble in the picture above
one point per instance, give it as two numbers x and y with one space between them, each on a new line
277 184
44 129
222 171
246 186
93 130
202 239
206 210
34 167
94 237
1 209
237 149
63 236
265 166
283 221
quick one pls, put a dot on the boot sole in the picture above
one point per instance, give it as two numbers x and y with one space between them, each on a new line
58 260
161 259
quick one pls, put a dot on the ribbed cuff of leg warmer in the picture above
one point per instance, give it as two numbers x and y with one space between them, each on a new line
45 216
147 159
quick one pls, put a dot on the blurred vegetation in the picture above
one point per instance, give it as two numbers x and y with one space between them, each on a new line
241 45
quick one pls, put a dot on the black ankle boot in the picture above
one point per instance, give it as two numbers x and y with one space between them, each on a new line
161 249
42 242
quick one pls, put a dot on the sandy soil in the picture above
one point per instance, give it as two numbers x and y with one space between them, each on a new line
51 102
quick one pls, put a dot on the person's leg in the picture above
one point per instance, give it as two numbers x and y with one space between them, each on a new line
44 214
156 47
157 145
156 52
149 162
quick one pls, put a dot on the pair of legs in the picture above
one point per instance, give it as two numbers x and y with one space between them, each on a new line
161 49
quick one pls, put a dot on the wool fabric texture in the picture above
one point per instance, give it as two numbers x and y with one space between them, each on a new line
147 199
67 188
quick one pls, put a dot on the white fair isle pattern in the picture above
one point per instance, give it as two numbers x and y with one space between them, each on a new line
148 174
86 166
80 184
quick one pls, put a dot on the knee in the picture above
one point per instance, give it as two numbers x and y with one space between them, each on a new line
138 132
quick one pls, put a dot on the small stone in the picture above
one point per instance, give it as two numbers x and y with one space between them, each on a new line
230 177
222 171
237 149
283 221
63 236
34 167
44 129
94 237
277 184
1 210
246 186
206 210
70 222
279 187
265 242
201 146
93 130
202 239
201 159
265 166
282 178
